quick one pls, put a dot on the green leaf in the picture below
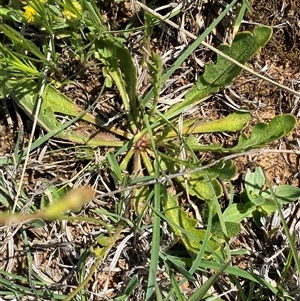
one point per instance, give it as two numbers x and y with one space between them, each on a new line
223 170
120 67
264 133
183 227
155 72
197 186
232 229
54 103
231 123
203 289
196 183
237 212
257 200
254 181
268 207
284 194
18 39
222 73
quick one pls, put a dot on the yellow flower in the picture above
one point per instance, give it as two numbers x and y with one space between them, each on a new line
70 15
29 14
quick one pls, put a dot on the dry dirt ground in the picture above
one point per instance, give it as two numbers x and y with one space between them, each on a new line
279 60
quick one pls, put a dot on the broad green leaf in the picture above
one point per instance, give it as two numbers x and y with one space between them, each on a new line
223 170
257 200
237 212
268 207
264 133
197 186
284 194
222 73
254 181
54 103
183 227
261 135
232 229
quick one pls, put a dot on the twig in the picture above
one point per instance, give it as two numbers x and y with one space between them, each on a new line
162 179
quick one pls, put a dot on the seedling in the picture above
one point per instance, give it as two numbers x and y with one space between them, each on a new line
150 135
258 200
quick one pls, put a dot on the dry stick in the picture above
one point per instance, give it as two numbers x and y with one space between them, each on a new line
146 8
186 172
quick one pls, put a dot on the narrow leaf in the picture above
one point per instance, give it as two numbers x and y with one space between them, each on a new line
231 123
120 67
200 292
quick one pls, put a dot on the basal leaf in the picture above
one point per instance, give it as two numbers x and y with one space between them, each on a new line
183 227
231 123
55 103
120 67
222 73
264 133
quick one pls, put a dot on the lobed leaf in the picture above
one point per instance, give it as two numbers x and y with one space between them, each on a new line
264 133
222 73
